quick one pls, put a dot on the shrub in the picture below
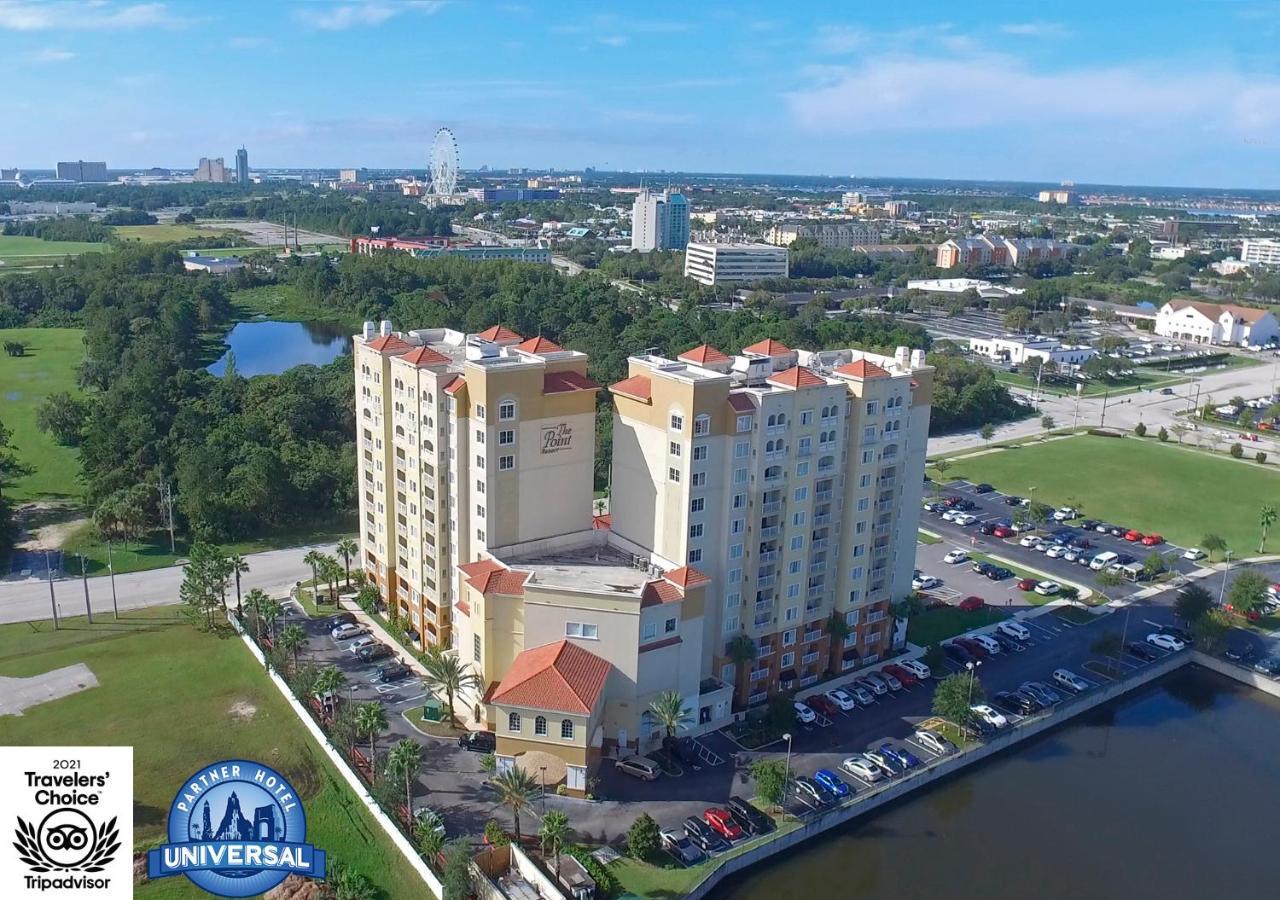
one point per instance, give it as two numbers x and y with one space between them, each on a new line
562 790
642 837
494 836
1140 430
1162 435
1236 451
1260 456
606 884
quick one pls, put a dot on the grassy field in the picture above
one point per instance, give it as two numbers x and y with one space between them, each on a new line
183 699
934 625
283 303
1182 494
19 250
48 367
155 234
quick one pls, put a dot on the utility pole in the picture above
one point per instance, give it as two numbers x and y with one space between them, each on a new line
84 578
115 606
166 498
53 602
1222 589
1075 417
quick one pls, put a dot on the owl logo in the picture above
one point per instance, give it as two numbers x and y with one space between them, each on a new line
66 840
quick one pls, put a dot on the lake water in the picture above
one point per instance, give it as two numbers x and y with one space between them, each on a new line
1169 792
269 348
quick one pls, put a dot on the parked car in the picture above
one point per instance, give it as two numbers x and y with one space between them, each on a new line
1002 531
904 677
1006 643
804 715
981 568
752 820
955 556
1165 642
1048 588
1056 551
639 767
983 488
988 643
703 837
842 700
360 643
833 783
685 749
1027 584
1015 630
1064 514
478 741
722 824
976 650
917 668
392 671
1152 540
965 518
861 767
925 583
1142 650
879 683
956 653
1028 540
987 528
934 742
347 631
373 653
1269 666
1239 652
1133 535
1176 632
1088 524
887 764
678 845
1070 680
1046 695
998 573
1005 702
334 621
991 716
820 704
1193 553
861 694
1118 531
809 792
972 603
904 756
1011 500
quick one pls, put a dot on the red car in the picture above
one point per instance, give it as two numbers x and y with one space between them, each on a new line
819 703
901 674
976 650
1151 540
1027 584
722 824
972 604
1003 531
1133 535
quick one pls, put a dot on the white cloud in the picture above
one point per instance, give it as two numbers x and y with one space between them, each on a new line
613 40
837 39
1036 29
73 15
52 55
366 14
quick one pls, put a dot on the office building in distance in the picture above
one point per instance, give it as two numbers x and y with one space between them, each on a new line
1260 252
994 250
213 170
513 194
659 221
755 498
713 264
829 235
242 166
429 248
1060 197
81 171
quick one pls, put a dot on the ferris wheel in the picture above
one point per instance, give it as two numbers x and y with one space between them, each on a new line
444 163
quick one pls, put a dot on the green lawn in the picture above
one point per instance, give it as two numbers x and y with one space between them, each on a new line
1180 493
923 538
19 250
48 367
154 234
934 625
183 699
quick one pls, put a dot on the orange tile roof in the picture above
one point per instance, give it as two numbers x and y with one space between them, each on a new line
703 354
488 576
500 334
685 577
862 369
637 387
767 347
561 382
457 384
425 356
562 677
602 523
1215 310
656 593
479 567
742 403
390 344
539 345
797 377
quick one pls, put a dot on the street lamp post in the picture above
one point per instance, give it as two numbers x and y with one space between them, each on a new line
84 577
544 789
115 606
786 778
973 668
53 602
1222 588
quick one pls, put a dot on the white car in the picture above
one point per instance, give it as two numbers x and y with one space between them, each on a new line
1070 680
925 583
1065 514
917 668
1015 630
955 556
804 715
1193 553
1028 540
1056 551
1165 642
1048 588
934 742
345 632
992 717
360 642
863 768
950 515
841 699
1072 556
965 519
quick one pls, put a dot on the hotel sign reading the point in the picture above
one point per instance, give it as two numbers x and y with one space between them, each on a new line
556 438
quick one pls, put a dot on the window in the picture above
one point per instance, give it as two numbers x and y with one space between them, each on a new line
739 501
805 446
677 422
788 659
513 721
506 438
864 503
673 474
698 479
733 599
744 424
788 637
506 463
739 476
730 624
806 417
697 504
860 528
479 489
479 462
475 647
864 481
674 448
669 626
581 630
649 632
479 511
871 407
506 410
741 450
695 556
802 469
480 535
696 530
792 613
700 453
479 410
859 550
793 567
735 551
540 725
797 542
727 673
867 457
701 426
856 572
793 590
797 519
737 526
480 436
566 729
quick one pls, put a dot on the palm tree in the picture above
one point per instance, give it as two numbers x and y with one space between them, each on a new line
405 761
1267 518
292 639
1213 543
371 720
329 682
555 833
448 674
347 548
331 572
313 559
837 630
271 611
516 789
256 600
239 566
669 711
741 650
426 831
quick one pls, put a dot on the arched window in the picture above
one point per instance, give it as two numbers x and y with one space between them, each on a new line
566 729
513 721
782 418
773 420
540 725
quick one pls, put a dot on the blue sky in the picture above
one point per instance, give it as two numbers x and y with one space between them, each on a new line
1125 91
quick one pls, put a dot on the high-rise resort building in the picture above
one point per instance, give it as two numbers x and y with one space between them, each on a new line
659 221
762 500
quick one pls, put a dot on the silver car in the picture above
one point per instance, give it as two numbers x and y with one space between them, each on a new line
934 742
861 767
875 683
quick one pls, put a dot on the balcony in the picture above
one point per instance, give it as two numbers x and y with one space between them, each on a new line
759 675
810 637
772 506
822 496
809 658
777 429
766 650
762 621
766 581
808 680
771 532
822 520
820 544
884 506
767 557
888 481
775 456
817 568
757 699
773 478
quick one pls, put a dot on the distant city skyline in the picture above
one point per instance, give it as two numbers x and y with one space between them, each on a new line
1100 92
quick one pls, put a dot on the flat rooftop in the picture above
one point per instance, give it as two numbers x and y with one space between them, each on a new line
588 568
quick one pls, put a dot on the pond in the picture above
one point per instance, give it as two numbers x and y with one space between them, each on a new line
269 348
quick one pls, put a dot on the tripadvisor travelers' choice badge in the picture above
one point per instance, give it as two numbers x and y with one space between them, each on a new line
236 829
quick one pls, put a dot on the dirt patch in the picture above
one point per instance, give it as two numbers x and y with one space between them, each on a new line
243 710
47 525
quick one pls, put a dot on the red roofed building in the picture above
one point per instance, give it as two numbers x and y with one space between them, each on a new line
500 334
862 369
797 377
539 345
637 387
389 345
704 355
767 347
425 356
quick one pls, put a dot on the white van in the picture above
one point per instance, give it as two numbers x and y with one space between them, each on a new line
917 668
1134 571
990 644
1102 560
1015 630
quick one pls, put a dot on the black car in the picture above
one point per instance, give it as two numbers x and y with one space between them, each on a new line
392 671
1123 559
478 741
1011 500
1239 652
1142 650
1269 666
686 751
373 652
1006 703
982 568
1028 702
1088 524
952 501
749 818
998 573
980 727
983 488
987 528
956 653
333 622
1080 543
703 837
1175 632
1117 531
1006 643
